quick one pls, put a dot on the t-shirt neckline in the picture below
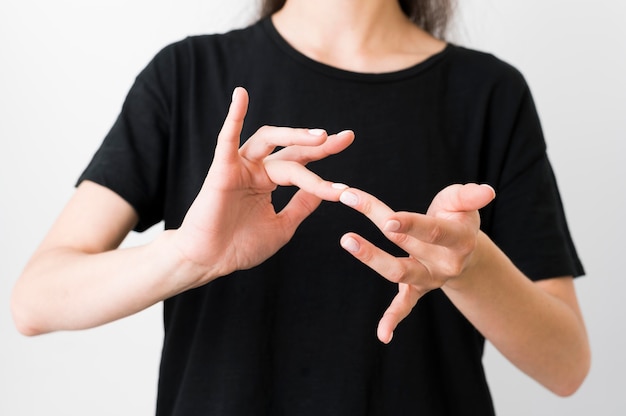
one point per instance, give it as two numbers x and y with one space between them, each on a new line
332 71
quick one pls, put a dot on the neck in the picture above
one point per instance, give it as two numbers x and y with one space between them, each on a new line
357 35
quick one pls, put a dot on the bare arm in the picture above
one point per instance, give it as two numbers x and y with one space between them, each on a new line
537 326
78 278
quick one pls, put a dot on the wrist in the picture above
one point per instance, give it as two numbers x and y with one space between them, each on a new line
474 268
184 273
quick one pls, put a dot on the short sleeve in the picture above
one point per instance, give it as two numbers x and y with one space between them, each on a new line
131 161
528 218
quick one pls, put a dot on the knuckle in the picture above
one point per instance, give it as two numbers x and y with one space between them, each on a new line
455 269
366 256
399 273
467 245
436 234
365 206
422 289
399 239
454 266
264 129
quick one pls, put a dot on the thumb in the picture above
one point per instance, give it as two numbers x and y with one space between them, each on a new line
464 198
301 205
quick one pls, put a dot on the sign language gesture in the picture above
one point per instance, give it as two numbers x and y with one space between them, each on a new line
79 280
232 224
441 244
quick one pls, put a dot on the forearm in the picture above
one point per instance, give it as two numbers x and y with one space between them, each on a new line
538 332
65 289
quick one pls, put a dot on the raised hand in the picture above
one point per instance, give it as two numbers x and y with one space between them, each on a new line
441 244
232 224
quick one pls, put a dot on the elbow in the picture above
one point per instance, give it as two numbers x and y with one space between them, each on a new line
26 330
567 388
23 316
567 385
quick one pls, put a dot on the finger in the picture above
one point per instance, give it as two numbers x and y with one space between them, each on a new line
305 154
410 230
267 138
368 205
395 225
229 137
301 205
394 269
432 229
463 198
287 173
400 307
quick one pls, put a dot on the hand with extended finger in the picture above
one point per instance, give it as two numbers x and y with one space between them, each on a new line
441 244
232 224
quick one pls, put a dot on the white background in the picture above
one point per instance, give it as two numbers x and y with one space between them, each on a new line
65 67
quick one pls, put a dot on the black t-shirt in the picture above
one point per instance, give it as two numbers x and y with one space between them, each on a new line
296 335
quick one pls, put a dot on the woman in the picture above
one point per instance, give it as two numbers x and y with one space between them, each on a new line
291 329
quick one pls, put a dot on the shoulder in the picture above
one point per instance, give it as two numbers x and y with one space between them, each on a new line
204 58
224 45
481 80
482 69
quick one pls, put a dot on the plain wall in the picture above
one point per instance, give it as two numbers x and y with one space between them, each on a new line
65 68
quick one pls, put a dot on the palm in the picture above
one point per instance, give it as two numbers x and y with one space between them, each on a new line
440 244
232 224
239 223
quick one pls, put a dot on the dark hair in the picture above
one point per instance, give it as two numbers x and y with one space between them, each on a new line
431 15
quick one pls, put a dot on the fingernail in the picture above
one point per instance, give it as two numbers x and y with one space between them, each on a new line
317 132
339 186
235 91
392 225
488 186
349 199
343 133
350 244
